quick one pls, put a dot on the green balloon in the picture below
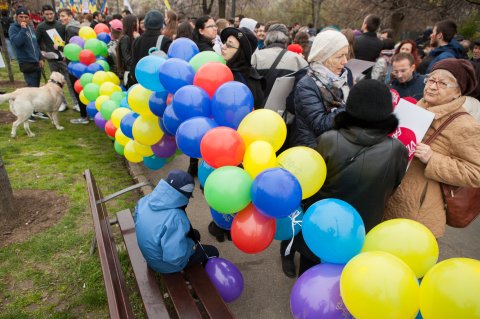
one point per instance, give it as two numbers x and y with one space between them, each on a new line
118 148
227 189
93 45
107 109
91 91
86 78
104 64
71 51
103 50
204 57
117 96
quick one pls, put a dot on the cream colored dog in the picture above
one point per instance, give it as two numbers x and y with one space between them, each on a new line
46 99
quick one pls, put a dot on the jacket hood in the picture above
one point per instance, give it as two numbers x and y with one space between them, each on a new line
74 23
165 196
363 136
454 47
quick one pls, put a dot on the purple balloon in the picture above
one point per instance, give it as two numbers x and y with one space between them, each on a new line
226 277
316 294
166 147
100 121
77 40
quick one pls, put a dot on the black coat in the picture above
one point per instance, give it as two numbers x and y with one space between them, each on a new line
364 166
255 83
367 46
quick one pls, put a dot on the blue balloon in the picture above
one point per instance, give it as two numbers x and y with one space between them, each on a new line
231 102
104 37
203 171
94 67
171 122
190 133
175 73
91 109
147 71
284 225
190 101
77 69
224 221
333 230
124 103
276 192
153 162
126 124
158 103
183 48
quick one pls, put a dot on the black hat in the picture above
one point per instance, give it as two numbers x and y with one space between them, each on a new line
22 10
248 40
181 181
153 20
370 100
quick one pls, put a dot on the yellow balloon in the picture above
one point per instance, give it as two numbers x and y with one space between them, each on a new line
451 289
113 78
87 33
83 98
258 157
130 154
143 150
118 115
263 125
100 100
108 88
307 165
378 285
146 130
121 138
138 98
408 240
100 77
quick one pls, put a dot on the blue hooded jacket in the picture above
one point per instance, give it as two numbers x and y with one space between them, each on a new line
451 50
25 43
162 228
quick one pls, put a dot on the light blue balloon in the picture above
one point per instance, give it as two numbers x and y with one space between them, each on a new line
203 171
333 230
284 225
153 162
147 71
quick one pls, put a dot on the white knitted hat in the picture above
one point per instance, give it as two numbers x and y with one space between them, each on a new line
325 44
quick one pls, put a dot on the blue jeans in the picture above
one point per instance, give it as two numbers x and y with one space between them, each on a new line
32 79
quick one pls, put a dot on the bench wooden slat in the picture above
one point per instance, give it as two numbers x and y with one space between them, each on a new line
181 297
117 296
147 283
207 293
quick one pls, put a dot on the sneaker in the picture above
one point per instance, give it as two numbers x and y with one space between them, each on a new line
80 120
40 115
31 119
63 107
76 107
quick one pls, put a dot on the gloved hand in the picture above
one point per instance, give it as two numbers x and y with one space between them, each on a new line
193 234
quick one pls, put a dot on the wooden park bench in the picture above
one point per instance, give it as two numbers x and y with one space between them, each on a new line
191 292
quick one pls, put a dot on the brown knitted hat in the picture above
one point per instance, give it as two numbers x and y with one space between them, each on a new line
462 70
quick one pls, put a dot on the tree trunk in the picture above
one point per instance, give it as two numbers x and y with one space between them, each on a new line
222 8
207 8
7 208
316 4
396 22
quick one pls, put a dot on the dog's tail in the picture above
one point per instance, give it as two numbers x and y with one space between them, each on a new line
10 97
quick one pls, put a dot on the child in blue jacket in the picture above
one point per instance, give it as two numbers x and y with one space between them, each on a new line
164 233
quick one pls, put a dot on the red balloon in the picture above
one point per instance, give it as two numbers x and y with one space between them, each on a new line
211 75
251 231
222 146
86 57
77 86
101 27
110 129
169 98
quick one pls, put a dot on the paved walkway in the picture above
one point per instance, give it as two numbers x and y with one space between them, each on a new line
267 289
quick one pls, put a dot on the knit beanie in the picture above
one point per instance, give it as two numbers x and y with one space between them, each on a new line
462 70
153 20
326 44
248 23
369 100
278 27
22 10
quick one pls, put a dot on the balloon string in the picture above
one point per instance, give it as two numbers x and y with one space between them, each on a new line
208 257
295 222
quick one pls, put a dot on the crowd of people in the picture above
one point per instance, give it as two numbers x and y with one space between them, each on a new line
346 118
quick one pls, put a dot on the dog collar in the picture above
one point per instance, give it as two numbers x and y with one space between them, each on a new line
57 83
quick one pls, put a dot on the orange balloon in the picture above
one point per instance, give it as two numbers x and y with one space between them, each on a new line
101 27
251 231
211 75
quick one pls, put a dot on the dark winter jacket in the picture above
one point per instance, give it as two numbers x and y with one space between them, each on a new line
25 43
451 50
367 46
311 115
203 43
125 54
413 88
71 30
255 83
44 40
364 167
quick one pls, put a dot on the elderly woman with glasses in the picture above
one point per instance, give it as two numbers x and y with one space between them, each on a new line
205 33
452 158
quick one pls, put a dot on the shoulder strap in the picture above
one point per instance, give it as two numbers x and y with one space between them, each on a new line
443 126
159 42
277 60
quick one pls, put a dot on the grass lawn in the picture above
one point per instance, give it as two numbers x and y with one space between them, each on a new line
52 275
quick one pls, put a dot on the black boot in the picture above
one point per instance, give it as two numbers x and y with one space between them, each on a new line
288 267
193 167
216 232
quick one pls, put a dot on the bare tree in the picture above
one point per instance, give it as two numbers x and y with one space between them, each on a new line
207 8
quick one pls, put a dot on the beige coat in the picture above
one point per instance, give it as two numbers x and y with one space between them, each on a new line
455 161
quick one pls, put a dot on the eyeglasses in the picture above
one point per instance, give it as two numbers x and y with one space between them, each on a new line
439 84
213 26
229 46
